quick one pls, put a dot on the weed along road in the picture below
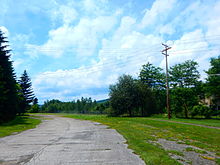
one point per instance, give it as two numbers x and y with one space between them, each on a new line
61 141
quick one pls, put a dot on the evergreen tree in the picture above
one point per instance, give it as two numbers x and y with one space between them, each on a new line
8 88
26 90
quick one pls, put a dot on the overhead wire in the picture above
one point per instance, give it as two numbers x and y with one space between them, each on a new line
111 48
96 68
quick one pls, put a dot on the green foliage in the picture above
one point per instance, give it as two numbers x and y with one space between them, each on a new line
146 99
85 105
202 110
132 97
26 91
8 88
34 109
184 80
213 81
152 76
183 100
184 75
123 96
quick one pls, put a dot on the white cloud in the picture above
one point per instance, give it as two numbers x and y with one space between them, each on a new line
192 46
158 12
212 22
124 52
167 29
184 49
66 13
125 49
4 30
96 7
17 63
81 39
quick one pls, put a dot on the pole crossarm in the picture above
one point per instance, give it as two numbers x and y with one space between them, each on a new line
166 49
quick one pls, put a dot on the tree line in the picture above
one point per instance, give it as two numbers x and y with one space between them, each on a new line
146 95
83 106
16 96
142 96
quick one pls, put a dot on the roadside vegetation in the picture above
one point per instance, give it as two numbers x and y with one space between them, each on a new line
20 123
146 95
142 136
16 96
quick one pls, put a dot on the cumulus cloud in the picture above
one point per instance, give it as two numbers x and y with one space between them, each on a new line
81 39
122 46
125 48
66 13
4 30
193 46
96 7
158 12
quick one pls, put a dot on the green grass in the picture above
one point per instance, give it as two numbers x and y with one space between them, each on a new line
206 122
20 123
140 132
196 150
176 152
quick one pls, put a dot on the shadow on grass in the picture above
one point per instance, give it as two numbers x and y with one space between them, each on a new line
16 121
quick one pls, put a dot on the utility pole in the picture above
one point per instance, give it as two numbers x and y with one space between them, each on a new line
164 52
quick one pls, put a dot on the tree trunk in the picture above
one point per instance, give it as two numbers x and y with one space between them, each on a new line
142 111
130 113
185 110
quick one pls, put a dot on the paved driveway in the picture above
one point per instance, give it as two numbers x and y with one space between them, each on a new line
63 141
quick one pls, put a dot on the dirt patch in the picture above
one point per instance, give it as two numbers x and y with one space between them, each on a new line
187 154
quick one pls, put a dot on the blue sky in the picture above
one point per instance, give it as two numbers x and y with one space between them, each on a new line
75 48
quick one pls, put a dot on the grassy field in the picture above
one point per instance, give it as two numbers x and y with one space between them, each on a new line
20 123
140 132
208 122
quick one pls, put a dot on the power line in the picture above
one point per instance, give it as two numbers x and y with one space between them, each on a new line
202 39
132 58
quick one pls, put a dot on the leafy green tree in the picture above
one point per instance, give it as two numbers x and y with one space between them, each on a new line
35 107
183 100
122 96
152 76
26 90
202 110
213 80
146 100
8 88
184 75
184 81
85 105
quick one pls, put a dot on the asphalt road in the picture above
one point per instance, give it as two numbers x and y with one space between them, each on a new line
65 141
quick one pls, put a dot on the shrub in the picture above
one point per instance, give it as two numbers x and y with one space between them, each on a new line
201 110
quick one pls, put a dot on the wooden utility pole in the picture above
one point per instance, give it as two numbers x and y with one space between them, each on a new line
164 52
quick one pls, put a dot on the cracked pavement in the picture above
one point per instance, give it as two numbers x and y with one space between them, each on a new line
65 141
